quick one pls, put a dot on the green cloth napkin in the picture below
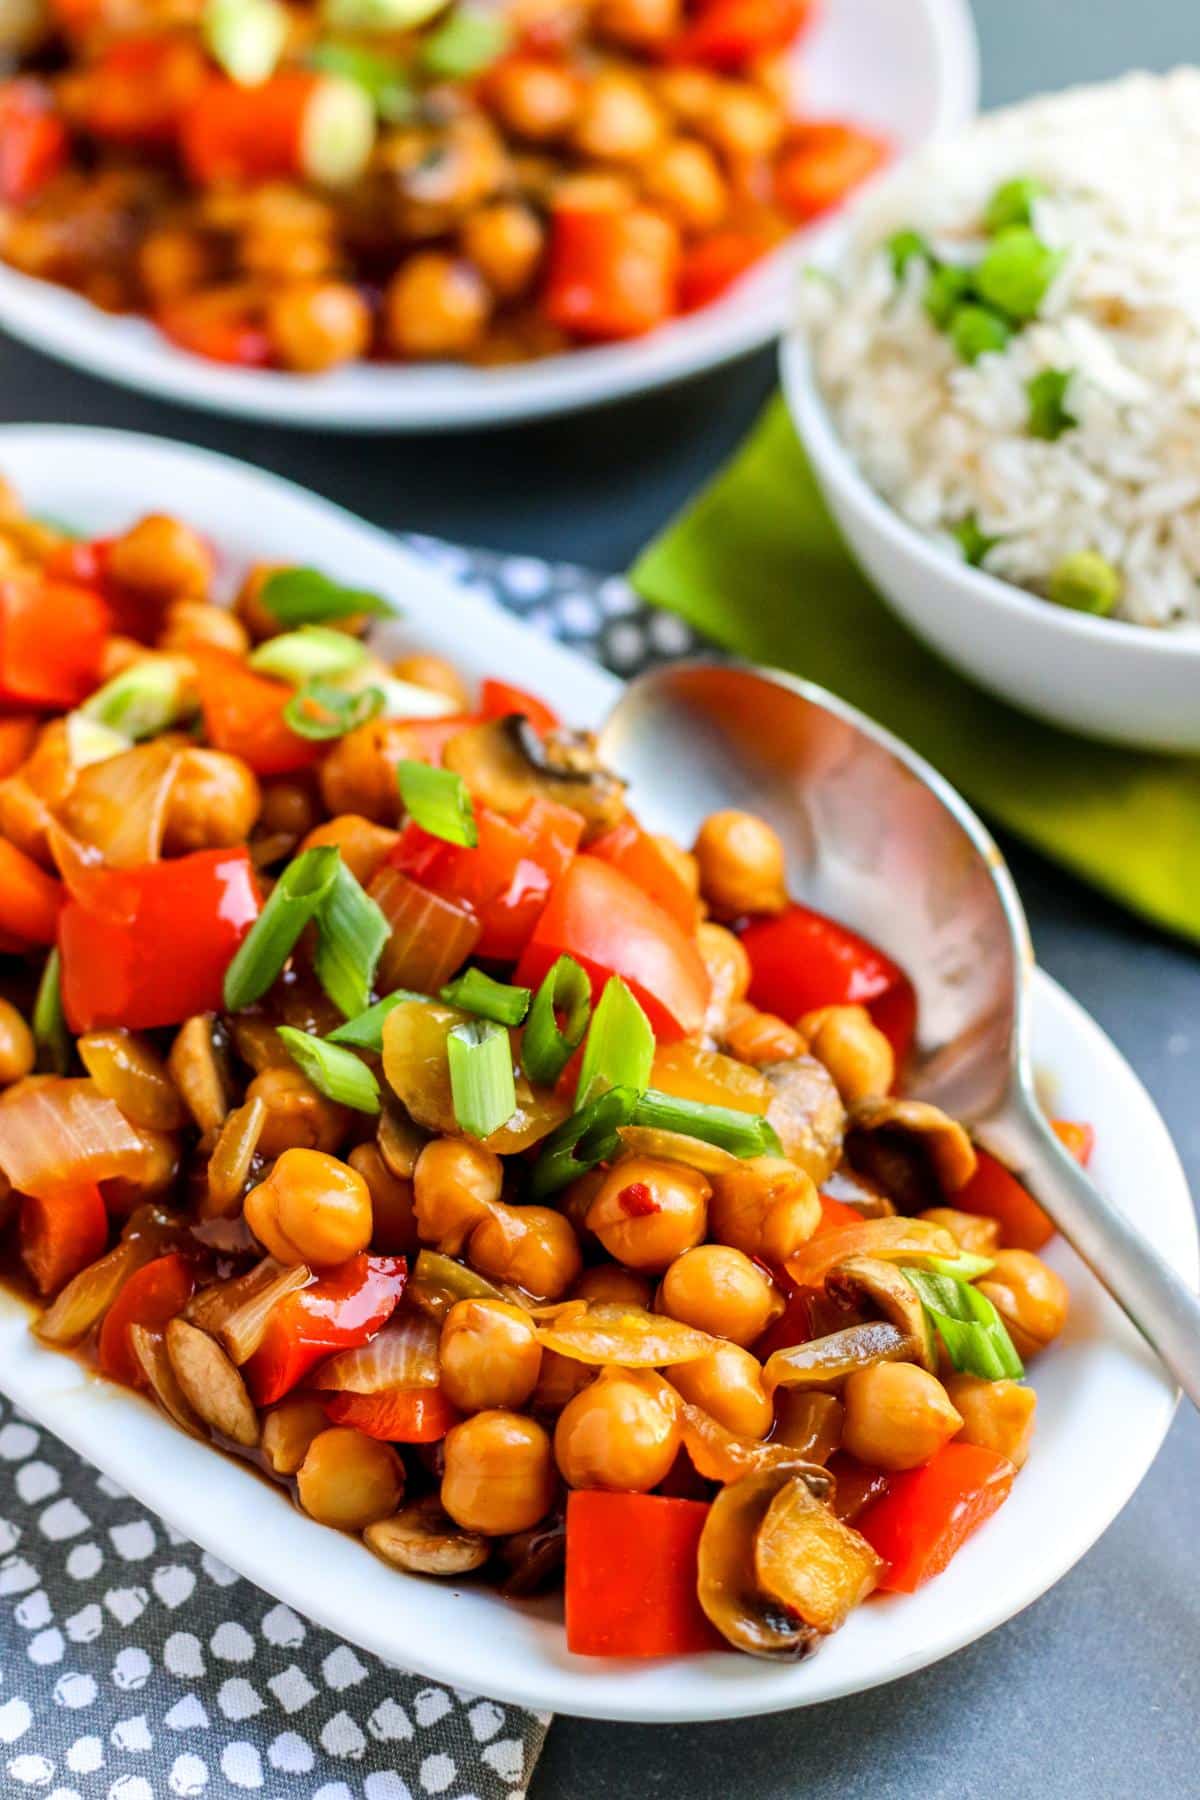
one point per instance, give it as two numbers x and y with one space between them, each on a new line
757 565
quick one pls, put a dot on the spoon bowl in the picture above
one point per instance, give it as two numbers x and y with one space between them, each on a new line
876 837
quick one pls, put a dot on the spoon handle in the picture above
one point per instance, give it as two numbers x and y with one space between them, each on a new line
1162 1306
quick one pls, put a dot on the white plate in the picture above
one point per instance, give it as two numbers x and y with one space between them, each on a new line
1099 1371
906 67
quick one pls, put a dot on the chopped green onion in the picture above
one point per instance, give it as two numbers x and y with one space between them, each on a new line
973 541
314 650
379 15
142 700
741 1133
620 1045
352 932
464 44
963 1267
976 330
319 710
306 597
303 887
366 1031
948 286
384 78
438 801
546 1049
904 247
1012 203
1086 582
481 1077
49 1022
246 37
590 1136
1016 272
477 993
88 741
408 700
1048 415
975 1336
335 1072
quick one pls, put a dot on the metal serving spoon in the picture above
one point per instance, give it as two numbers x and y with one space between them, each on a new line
876 837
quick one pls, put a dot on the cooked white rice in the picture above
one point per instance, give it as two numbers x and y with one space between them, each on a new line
942 439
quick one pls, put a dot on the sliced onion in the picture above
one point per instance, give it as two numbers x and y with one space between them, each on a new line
119 806
57 1132
113 897
430 939
243 1330
720 1455
88 1295
892 1240
626 1336
675 1146
403 1354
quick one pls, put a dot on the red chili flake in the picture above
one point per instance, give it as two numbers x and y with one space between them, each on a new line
636 1201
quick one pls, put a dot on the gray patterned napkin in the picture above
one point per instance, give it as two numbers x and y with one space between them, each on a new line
134 1666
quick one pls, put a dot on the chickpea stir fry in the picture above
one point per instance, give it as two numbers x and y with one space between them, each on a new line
307 184
525 1191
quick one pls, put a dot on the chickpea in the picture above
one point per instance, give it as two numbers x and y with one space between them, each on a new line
647 1213
393 1216
534 1247
172 262
620 1433
311 1209
163 560
766 1207
998 1415
213 802
971 1232
289 1429
534 99
18 1052
576 1198
455 1186
359 773
196 625
760 1037
728 968
561 1378
1029 1296
499 1473
619 119
249 607
728 1384
684 179
638 24
288 807
897 1415
852 1047
290 257
593 190
505 241
743 122
315 325
349 1480
489 1355
613 1285
436 305
298 1117
742 865
434 672
689 93
719 1290
365 846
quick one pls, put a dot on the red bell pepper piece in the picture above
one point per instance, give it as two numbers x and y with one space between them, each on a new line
241 134
223 328
62 1232
928 1513
995 1193
340 1311
835 1215
398 1416
152 1296
51 641
712 264
727 34
631 1576
243 713
160 952
497 699
628 848
16 741
29 898
137 91
821 163
1079 1139
611 274
506 879
801 960
33 141
599 917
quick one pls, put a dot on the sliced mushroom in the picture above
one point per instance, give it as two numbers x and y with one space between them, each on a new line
879 1284
807 1113
151 1353
288 1430
809 1423
822 1364
911 1149
505 764
858 1191
198 1067
211 1384
535 1559
421 1539
728 1587
808 1561
232 1156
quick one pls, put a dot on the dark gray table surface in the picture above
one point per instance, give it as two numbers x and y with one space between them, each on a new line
1095 1690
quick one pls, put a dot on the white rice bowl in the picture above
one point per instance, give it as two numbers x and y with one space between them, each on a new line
943 440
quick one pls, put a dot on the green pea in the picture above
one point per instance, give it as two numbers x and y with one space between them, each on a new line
903 246
1048 415
973 541
1012 203
948 286
1086 582
975 330
1016 272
